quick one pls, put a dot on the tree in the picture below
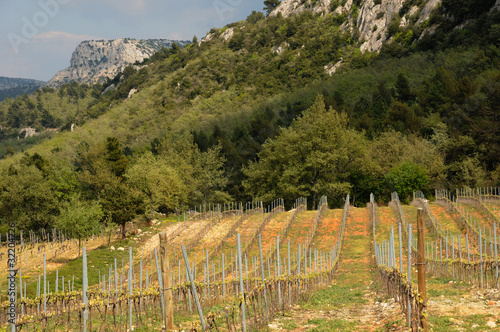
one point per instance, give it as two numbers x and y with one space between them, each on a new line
392 148
38 161
97 165
26 198
461 10
121 203
407 178
209 175
202 173
270 5
402 118
314 157
109 229
159 182
80 219
255 17
403 88
117 160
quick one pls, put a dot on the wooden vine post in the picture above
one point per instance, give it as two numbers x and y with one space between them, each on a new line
167 284
421 266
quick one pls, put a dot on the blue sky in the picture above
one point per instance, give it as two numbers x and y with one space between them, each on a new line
37 37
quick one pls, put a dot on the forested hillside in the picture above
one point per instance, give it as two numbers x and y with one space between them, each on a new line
13 87
250 112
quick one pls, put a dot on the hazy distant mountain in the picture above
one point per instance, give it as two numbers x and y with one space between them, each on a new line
95 61
17 86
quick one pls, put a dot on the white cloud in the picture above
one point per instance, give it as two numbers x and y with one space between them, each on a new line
49 51
62 36
43 55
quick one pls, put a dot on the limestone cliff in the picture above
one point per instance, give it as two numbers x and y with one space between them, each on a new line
290 7
95 61
371 18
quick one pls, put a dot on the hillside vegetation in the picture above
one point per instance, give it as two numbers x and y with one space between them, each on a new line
251 107
13 87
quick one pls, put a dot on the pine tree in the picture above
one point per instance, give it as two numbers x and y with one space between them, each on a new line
115 156
270 5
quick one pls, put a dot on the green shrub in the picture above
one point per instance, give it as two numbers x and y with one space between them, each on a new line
334 4
407 178
404 38
340 19
408 4
394 26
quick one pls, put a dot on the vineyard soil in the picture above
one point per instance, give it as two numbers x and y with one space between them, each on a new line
355 300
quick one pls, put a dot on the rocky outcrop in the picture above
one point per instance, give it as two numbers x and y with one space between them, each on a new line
28 132
426 12
372 18
280 49
227 35
496 6
291 7
332 68
373 22
131 92
95 61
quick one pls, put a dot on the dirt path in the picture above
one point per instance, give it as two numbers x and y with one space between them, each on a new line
327 231
355 301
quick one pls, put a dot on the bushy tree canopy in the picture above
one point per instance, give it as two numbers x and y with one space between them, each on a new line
27 198
160 182
80 219
121 203
314 157
407 178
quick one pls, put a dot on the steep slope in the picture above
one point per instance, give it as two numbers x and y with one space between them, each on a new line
374 21
95 61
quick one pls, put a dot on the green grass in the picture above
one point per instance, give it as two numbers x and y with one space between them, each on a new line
467 323
325 325
392 325
440 323
289 325
445 292
438 286
439 280
337 296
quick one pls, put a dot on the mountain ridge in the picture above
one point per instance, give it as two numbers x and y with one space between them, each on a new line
13 87
15 82
96 61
